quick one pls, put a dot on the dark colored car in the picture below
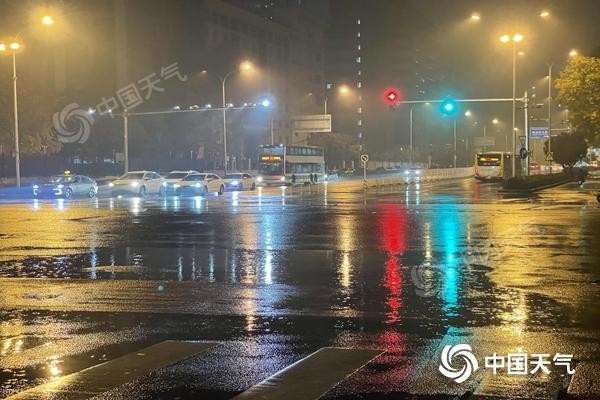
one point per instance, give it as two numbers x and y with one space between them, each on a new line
66 186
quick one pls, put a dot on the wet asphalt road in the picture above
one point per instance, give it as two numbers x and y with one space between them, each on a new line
274 275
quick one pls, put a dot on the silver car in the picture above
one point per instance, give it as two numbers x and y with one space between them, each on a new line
66 186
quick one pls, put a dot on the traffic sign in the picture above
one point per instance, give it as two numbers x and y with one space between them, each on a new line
523 153
364 158
538 132
550 156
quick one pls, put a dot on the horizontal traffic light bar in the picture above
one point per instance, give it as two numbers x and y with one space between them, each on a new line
458 100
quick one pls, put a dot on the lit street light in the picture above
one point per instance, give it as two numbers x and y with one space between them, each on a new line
475 17
573 53
516 38
245 66
14 47
545 14
47 20
342 89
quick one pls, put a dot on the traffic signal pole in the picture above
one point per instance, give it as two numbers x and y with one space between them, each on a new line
454 152
411 137
411 119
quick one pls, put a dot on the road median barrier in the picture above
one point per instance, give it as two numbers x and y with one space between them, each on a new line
533 183
409 177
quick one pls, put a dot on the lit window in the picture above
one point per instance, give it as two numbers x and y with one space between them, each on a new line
358 47
359 123
358 21
357 34
359 109
359 73
359 84
358 60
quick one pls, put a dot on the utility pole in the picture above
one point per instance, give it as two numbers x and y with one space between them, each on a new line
484 135
454 163
526 109
17 151
411 137
514 106
125 141
550 111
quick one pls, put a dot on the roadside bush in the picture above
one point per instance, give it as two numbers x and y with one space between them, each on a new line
533 182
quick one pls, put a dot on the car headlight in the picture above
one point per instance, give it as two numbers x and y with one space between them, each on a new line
282 179
111 184
259 179
235 183
60 186
135 184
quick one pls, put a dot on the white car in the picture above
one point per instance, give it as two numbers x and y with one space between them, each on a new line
174 177
239 181
138 183
201 183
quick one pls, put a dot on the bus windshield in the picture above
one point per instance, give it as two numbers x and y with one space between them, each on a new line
270 168
489 160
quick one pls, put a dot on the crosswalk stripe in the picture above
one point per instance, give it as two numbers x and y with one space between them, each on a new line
312 376
586 381
111 374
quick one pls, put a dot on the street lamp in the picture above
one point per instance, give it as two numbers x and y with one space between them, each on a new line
245 66
573 53
342 89
13 47
475 17
545 14
516 38
47 20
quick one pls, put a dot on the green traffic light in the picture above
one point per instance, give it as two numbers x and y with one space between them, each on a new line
448 107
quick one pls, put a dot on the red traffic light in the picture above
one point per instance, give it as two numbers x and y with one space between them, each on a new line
392 96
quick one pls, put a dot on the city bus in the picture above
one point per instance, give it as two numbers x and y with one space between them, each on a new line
492 165
278 164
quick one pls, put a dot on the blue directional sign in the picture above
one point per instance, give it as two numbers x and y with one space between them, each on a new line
538 132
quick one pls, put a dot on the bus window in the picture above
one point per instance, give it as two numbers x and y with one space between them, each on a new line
489 160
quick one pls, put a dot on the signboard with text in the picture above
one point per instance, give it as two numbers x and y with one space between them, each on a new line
538 132
312 123
481 141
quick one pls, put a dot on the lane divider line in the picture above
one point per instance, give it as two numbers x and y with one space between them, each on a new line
312 376
111 374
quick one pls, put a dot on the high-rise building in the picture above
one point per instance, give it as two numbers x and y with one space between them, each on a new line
373 46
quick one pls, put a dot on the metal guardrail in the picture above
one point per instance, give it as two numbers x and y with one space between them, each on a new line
421 175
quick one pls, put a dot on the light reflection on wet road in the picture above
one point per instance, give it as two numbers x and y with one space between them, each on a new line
282 272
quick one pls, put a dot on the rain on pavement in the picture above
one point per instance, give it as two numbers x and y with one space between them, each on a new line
274 275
